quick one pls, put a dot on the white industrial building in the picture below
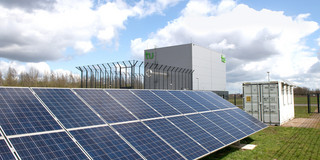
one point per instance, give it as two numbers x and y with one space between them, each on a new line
209 67
270 102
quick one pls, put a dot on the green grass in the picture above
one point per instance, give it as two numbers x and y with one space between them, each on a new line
303 100
302 111
276 143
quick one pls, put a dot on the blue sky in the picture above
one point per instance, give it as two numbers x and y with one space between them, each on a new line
256 36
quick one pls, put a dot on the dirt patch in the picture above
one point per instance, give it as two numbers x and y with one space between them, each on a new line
311 122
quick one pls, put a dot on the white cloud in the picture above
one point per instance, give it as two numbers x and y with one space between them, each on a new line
34 32
254 41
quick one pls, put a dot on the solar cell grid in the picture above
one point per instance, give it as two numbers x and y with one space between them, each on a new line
228 127
21 112
69 109
201 100
173 101
220 99
133 104
192 103
47 146
103 143
205 94
155 102
146 142
212 128
105 105
244 120
5 152
176 138
244 114
198 134
243 127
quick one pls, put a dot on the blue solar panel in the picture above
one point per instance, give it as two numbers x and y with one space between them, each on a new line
5 152
146 142
69 109
176 138
246 115
103 143
244 120
173 101
243 127
47 146
220 99
186 99
21 112
225 125
212 128
155 102
106 106
201 100
219 103
198 134
134 104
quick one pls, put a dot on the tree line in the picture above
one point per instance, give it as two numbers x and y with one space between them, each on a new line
304 91
33 78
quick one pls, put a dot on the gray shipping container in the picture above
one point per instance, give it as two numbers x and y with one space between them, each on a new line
270 102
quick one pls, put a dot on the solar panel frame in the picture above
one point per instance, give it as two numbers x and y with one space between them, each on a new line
219 99
177 138
189 101
158 104
173 101
5 152
21 112
197 133
146 141
251 118
103 143
68 108
56 145
205 95
243 120
137 107
108 108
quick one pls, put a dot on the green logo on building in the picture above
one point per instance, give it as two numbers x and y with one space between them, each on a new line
149 55
223 59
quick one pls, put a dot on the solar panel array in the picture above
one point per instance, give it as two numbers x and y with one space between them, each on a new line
47 123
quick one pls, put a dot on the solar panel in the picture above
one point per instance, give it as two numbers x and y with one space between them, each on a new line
173 101
146 142
103 143
244 120
225 125
155 102
21 112
202 101
243 127
197 133
105 105
212 128
205 94
69 109
252 119
176 138
5 152
186 99
134 104
219 99
47 146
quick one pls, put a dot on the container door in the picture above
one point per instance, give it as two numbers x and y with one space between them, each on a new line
270 103
251 100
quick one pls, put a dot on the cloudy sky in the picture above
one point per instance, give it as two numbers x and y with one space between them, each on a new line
256 36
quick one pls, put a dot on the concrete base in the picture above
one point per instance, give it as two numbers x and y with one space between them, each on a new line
243 146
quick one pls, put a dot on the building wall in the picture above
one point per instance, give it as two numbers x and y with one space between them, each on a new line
209 71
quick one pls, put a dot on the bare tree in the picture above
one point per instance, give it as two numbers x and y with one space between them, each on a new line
11 77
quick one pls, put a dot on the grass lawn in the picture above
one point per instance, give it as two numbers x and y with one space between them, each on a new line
302 111
276 143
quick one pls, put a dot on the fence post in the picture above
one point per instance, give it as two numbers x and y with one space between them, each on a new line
235 99
318 102
308 100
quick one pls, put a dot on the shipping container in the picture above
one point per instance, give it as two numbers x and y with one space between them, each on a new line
270 102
